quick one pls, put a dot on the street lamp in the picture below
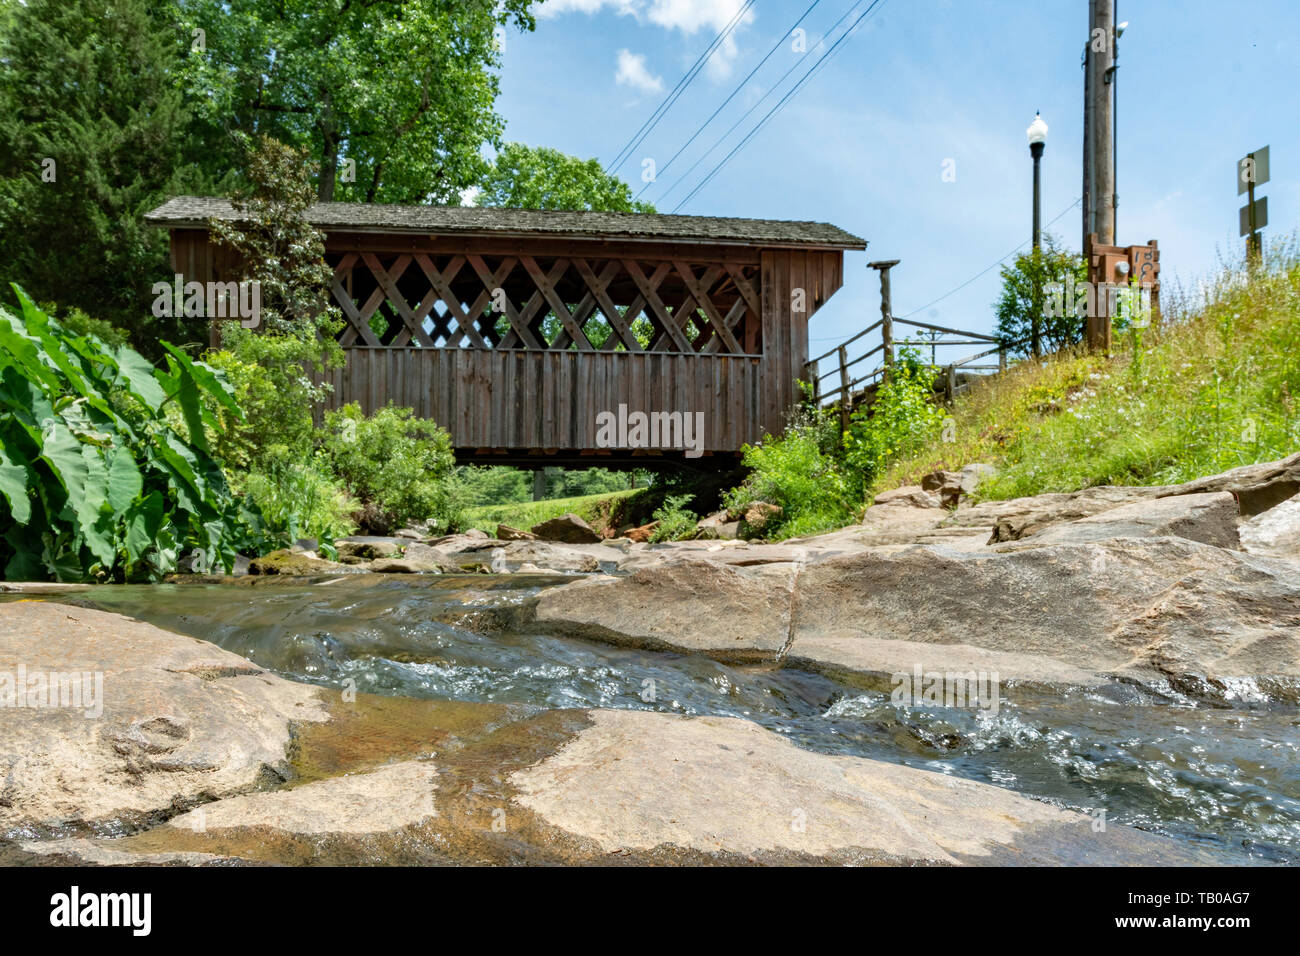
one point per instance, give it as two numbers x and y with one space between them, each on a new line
1037 135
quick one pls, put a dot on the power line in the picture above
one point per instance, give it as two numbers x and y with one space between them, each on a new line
987 268
780 105
740 86
775 86
639 136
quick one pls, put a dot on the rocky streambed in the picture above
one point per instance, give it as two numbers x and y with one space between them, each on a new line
1126 666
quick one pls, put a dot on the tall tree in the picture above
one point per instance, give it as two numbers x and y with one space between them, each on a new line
538 177
92 135
394 98
1038 301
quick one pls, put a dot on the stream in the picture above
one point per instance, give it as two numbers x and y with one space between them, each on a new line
1225 778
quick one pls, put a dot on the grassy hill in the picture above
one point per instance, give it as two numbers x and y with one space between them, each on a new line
1215 386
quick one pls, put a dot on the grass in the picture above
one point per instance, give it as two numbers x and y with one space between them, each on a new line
597 510
1214 387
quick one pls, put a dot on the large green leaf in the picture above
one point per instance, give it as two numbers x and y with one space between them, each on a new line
137 376
124 481
15 476
142 524
206 378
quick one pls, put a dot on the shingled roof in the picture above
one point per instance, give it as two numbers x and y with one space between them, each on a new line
193 212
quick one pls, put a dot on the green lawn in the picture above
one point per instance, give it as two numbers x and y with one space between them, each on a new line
594 509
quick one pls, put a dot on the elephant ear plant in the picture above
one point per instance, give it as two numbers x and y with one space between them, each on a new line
104 461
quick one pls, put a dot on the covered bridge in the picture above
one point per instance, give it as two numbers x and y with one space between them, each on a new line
524 332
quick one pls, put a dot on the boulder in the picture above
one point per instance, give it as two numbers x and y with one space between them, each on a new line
507 533
567 529
908 496
1256 487
405 566
696 605
293 564
717 526
973 474
367 548
1208 518
426 554
643 533
1150 608
721 786
181 720
937 481
758 514
1017 517
1274 532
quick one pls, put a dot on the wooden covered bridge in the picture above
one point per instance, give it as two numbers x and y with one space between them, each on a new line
516 329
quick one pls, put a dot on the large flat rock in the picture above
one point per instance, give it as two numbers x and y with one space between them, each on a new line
1207 518
637 780
733 613
182 720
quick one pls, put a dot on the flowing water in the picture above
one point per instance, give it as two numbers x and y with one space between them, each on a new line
1224 777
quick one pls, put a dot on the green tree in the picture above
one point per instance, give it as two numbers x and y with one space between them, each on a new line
93 133
1028 307
405 89
538 177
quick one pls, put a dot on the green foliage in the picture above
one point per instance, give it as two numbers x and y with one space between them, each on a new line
802 471
596 510
90 85
302 500
104 459
675 520
404 88
900 420
399 465
1027 306
495 485
537 177
1215 386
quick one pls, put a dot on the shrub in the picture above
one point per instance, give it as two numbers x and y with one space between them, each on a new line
901 419
675 521
105 460
400 467
302 501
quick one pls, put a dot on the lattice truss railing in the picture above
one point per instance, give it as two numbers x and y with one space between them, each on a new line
526 302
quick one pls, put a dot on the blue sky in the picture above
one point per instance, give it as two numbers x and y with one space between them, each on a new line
864 143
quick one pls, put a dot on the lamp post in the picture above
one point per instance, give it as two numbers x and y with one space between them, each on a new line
1037 134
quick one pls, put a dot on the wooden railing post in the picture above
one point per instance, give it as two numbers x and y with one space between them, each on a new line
844 389
886 311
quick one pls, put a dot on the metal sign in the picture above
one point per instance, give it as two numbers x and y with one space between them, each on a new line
1261 216
1252 169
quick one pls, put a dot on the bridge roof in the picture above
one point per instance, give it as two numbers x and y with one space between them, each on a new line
193 212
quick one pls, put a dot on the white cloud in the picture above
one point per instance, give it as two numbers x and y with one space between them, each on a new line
632 72
686 16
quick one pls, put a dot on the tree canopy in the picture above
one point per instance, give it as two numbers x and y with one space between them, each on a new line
538 177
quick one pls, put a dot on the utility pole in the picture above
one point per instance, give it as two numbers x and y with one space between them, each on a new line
1101 46
1089 225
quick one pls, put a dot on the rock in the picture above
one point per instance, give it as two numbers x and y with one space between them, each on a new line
758 514
637 780
727 612
477 534
453 543
377 801
1256 487
423 553
1274 532
507 533
414 534
404 566
973 474
908 496
305 544
1149 608
938 479
368 547
643 533
291 563
1209 519
1017 517
717 526
567 529
182 720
